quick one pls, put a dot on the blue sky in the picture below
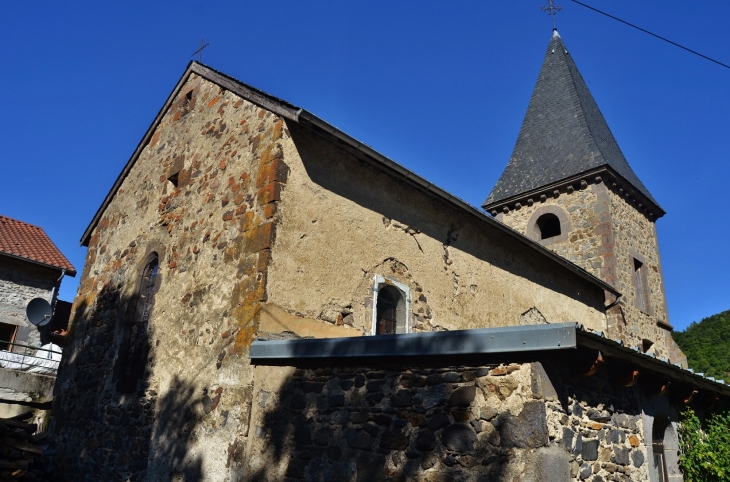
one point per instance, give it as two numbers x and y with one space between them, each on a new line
440 87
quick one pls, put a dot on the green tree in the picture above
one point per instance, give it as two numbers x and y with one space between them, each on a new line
705 447
707 345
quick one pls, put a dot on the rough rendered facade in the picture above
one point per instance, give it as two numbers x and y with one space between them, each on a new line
257 228
242 221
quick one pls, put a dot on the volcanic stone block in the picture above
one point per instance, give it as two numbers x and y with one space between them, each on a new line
527 430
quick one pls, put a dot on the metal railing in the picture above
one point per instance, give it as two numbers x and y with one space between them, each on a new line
21 357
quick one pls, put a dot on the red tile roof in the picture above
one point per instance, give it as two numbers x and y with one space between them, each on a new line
26 241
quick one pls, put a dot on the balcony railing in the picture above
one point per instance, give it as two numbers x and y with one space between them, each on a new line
26 358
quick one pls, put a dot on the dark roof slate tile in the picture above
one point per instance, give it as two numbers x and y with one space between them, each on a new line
563 133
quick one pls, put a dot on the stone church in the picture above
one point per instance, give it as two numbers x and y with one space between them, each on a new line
267 298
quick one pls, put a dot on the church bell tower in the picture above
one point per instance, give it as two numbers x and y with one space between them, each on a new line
569 187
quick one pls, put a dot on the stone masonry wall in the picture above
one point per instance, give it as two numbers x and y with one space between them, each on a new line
20 282
631 229
606 230
583 243
344 221
486 423
202 195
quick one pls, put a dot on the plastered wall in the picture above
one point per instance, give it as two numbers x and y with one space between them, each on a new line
261 228
343 222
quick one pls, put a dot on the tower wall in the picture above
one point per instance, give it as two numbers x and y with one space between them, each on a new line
604 235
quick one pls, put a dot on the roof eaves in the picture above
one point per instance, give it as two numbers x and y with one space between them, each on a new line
628 189
509 339
607 346
70 272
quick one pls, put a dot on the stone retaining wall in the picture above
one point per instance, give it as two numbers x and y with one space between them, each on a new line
508 422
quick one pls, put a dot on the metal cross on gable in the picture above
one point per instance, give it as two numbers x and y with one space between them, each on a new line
551 10
200 51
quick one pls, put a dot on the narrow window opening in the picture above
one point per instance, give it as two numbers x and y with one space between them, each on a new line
391 310
189 96
135 346
174 179
7 335
659 463
641 285
549 226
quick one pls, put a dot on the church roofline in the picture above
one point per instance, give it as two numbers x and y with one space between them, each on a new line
302 116
602 174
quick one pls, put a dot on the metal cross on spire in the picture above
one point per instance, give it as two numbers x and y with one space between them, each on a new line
200 51
551 10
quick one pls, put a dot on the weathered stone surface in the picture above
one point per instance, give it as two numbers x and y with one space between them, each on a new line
528 429
359 440
394 440
585 471
323 436
432 397
409 380
459 438
590 450
402 398
438 421
359 417
637 457
621 456
462 396
425 441
568 435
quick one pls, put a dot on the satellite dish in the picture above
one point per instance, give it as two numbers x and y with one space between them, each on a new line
39 312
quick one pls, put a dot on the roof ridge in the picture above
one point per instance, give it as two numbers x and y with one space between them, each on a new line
20 221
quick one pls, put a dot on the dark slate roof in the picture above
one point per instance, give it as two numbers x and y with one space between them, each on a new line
563 134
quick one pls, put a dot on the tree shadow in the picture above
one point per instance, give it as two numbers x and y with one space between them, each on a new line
390 418
102 433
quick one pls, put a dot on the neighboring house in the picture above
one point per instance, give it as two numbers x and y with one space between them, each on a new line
31 266
241 217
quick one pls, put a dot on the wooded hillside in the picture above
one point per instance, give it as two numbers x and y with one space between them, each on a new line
707 345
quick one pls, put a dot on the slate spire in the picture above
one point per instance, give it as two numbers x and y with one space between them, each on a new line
563 135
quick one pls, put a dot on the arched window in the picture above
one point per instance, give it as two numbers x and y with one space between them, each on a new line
549 226
391 307
135 346
390 311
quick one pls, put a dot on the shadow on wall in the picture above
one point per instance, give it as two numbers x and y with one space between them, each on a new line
102 434
333 168
402 421
475 419
360 426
